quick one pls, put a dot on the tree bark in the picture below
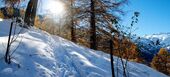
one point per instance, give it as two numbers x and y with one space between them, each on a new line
34 11
7 56
73 37
111 58
93 27
31 12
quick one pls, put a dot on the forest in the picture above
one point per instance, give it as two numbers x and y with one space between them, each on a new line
93 24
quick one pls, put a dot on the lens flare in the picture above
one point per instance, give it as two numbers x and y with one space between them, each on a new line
55 7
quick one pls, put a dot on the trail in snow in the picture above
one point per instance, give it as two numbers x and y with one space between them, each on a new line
43 55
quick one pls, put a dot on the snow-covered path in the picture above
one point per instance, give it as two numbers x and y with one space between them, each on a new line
43 55
79 60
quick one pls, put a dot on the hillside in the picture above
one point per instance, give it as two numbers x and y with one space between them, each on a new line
40 54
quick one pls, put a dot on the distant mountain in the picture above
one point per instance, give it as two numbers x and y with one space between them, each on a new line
150 45
164 39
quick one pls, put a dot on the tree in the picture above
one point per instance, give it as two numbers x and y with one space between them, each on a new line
97 14
111 57
30 13
30 10
123 46
7 54
11 39
73 36
10 12
1 14
93 16
161 61
92 26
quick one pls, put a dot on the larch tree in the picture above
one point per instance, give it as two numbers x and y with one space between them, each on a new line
70 18
30 13
97 15
161 61
92 26
73 27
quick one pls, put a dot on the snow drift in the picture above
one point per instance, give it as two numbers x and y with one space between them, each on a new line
40 54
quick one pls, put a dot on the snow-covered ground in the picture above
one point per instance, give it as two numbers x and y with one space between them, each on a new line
40 54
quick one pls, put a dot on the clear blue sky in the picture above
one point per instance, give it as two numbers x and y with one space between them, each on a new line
154 16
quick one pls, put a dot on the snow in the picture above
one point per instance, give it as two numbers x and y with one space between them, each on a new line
164 39
151 44
43 55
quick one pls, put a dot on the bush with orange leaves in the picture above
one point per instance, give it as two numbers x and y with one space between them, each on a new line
161 61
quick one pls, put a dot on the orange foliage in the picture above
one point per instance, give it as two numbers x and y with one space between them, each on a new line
125 48
1 14
161 61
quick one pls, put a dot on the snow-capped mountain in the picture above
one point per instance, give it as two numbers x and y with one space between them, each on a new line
40 54
163 38
150 45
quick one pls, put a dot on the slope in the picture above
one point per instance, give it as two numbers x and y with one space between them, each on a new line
40 54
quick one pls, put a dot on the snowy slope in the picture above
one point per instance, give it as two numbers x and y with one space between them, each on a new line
43 55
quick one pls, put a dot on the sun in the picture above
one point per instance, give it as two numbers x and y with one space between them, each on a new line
55 7
1 19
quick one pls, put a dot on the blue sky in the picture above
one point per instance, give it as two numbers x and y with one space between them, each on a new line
154 16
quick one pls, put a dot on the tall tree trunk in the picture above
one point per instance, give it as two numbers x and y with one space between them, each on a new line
34 11
73 38
7 55
93 27
111 58
31 12
28 13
